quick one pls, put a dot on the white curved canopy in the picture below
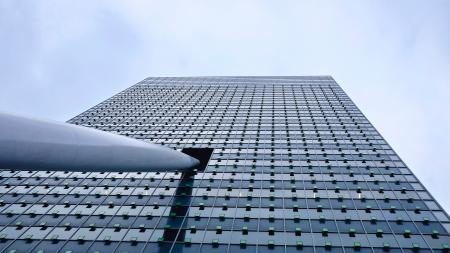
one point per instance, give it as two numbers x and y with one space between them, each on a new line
31 144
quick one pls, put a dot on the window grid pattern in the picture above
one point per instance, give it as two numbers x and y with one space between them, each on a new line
296 167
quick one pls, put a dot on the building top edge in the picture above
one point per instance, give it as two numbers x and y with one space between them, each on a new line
238 79
249 77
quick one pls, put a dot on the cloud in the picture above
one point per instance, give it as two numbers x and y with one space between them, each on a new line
60 58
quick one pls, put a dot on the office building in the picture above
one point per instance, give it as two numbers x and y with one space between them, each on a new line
290 164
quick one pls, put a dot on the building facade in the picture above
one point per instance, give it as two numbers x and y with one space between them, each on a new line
292 166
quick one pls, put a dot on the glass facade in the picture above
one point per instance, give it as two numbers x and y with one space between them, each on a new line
295 167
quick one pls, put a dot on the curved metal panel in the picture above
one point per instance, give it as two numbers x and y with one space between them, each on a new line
33 144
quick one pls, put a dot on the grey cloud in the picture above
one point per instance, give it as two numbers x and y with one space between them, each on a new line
61 57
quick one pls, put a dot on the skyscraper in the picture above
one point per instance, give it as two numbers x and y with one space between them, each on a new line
289 164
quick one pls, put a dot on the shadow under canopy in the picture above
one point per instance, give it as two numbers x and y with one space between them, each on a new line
173 230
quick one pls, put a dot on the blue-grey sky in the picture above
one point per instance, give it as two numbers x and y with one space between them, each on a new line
58 58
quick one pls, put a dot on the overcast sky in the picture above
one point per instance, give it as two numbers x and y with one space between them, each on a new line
59 58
